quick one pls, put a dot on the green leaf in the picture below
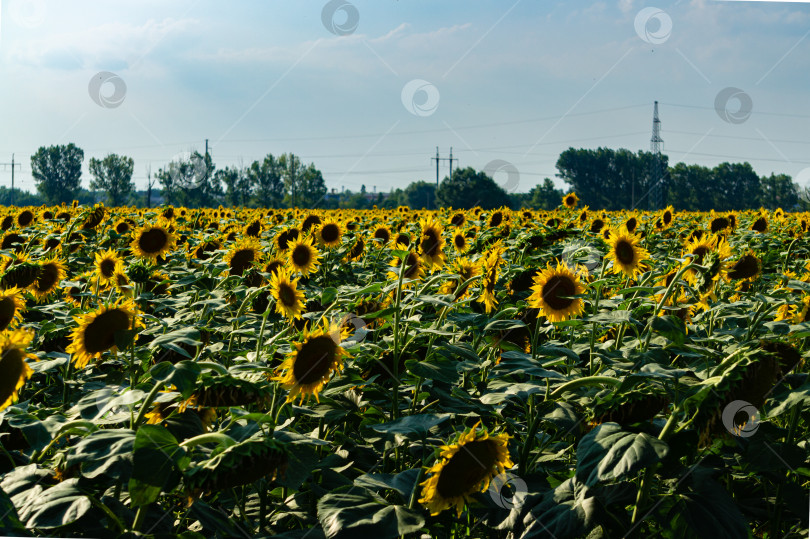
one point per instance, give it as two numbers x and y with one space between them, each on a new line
402 482
328 296
608 453
412 426
171 341
60 505
182 374
505 325
798 397
671 327
106 452
10 524
157 463
358 513
570 510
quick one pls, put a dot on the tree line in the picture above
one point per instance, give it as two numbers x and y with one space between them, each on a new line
603 178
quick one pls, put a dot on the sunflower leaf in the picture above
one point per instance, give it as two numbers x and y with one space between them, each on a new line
608 453
359 513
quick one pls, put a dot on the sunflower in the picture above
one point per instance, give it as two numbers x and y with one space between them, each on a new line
489 269
243 255
51 273
465 270
285 237
97 331
747 267
382 235
795 314
313 361
14 370
122 283
25 218
205 248
12 240
253 229
123 226
460 242
289 300
553 290
107 264
627 255
413 270
760 224
329 234
464 468
153 241
700 248
12 306
570 200
431 244
303 257
668 216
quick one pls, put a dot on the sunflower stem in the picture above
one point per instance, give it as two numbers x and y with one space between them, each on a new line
261 333
588 381
663 300
146 403
415 491
219 438
395 392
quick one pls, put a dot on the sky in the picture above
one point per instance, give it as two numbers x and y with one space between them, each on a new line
368 89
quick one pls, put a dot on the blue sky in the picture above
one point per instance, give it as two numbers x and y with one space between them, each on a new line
502 80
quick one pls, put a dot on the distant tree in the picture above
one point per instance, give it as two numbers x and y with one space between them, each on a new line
418 195
190 182
610 179
57 171
691 187
312 188
234 180
737 186
779 191
545 196
113 174
468 188
21 198
266 182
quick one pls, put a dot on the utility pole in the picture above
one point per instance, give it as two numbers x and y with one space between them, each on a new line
13 165
206 147
149 186
437 158
656 200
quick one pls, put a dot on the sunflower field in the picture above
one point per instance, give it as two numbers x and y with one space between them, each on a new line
176 372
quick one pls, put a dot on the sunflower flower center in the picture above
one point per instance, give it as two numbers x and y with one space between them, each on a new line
11 368
555 290
153 241
241 260
48 276
7 310
314 360
430 243
330 233
467 468
100 333
301 256
107 267
624 252
286 294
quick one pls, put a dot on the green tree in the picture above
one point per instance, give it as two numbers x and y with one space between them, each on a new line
189 181
266 182
545 196
113 174
691 187
235 182
468 188
418 195
737 186
312 188
610 179
57 171
779 191
304 185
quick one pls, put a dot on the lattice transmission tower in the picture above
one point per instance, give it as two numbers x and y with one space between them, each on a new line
657 175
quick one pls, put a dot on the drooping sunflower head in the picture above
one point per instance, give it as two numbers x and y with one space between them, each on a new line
303 257
553 293
14 369
254 228
307 368
747 267
431 243
97 330
244 254
25 217
12 307
153 241
489 272
285 238
289 299
463 468
330 233
204 250
382 235
13 240
51 273
107 264
570 200
626 253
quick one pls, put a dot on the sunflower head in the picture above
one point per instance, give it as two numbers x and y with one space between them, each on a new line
431 244
307 368
570 200
303 257
329 234
107 264
464 467
51 273
289 299
14 370
626 253
12 306
97 331
244 254
153 241
553 293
